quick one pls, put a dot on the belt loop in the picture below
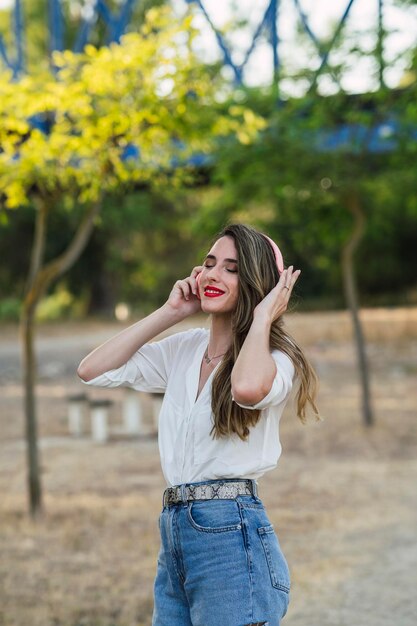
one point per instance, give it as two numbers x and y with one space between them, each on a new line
254 487
163 498
183 496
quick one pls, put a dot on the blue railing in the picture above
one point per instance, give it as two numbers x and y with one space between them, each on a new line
117 22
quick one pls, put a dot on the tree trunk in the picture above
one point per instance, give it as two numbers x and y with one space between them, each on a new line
29 377
380 45
39 279
348 251
29 359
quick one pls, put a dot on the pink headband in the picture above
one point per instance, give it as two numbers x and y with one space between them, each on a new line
277 253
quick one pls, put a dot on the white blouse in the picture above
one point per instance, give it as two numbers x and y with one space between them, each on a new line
188 453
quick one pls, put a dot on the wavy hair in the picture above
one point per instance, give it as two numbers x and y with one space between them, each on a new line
258 275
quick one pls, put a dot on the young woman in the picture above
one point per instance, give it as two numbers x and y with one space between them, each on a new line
220 562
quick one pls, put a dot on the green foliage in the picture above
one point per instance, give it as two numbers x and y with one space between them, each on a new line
150 91
139 251
10 309
60 304
35 15
36 32
298 192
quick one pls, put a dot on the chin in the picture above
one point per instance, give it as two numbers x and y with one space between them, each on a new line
215 308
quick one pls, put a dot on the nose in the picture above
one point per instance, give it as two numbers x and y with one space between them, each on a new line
212 274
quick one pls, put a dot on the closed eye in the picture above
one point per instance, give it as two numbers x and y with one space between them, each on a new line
231 271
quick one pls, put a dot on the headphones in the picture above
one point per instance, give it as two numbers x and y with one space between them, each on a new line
278 258
277 254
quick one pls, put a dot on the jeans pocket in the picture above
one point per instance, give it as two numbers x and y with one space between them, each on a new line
277 564
250 502
214 516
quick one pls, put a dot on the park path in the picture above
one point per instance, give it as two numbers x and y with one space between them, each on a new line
343 500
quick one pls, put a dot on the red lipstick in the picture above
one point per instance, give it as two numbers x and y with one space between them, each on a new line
212 292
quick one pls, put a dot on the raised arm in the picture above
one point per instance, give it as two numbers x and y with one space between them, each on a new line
119 349
255 369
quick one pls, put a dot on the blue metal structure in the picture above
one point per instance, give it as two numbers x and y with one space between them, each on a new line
18 63
381 139
116 24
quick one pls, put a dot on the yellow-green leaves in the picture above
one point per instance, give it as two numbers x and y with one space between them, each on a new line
69 132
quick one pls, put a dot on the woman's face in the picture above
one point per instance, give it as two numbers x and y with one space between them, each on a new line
220 272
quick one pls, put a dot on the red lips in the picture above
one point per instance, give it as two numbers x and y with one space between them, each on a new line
216 293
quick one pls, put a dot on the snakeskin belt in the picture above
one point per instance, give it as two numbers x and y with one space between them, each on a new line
216 490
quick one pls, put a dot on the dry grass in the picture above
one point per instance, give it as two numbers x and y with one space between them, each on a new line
342 499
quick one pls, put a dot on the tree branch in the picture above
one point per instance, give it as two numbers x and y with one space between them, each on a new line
62 263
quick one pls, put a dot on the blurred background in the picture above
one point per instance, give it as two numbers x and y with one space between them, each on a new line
131 132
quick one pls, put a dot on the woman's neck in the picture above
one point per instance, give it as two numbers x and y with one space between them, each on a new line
220 334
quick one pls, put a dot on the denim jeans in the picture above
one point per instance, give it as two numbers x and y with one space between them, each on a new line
220 564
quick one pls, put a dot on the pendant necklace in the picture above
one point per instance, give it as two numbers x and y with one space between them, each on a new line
208 360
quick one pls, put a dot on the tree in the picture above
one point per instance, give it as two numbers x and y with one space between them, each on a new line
314 175
36 20
130 116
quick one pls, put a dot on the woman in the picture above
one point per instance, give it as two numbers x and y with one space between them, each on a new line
220 562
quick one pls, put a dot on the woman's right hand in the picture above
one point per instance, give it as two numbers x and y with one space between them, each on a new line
183 299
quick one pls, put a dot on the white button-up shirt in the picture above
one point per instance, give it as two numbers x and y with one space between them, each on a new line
188 452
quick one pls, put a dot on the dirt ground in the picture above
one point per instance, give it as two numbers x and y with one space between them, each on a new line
343 498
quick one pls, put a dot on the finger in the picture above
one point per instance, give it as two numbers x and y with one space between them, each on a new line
179 285
294 278
192 284
282 279
289 275
279 287
287 286
193 277
185 289
189 287
198 269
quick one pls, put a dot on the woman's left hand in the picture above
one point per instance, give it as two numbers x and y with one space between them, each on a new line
275 303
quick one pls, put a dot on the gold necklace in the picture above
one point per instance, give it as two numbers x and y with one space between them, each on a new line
208 360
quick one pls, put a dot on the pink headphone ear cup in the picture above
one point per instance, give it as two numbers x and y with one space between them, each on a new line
277 252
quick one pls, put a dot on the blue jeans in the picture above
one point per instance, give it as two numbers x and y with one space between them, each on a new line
220 564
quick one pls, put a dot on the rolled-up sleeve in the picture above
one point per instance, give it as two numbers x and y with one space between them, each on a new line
147 370
281 386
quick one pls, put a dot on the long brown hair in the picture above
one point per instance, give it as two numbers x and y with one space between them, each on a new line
258 275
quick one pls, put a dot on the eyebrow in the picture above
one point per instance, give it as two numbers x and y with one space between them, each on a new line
211 256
